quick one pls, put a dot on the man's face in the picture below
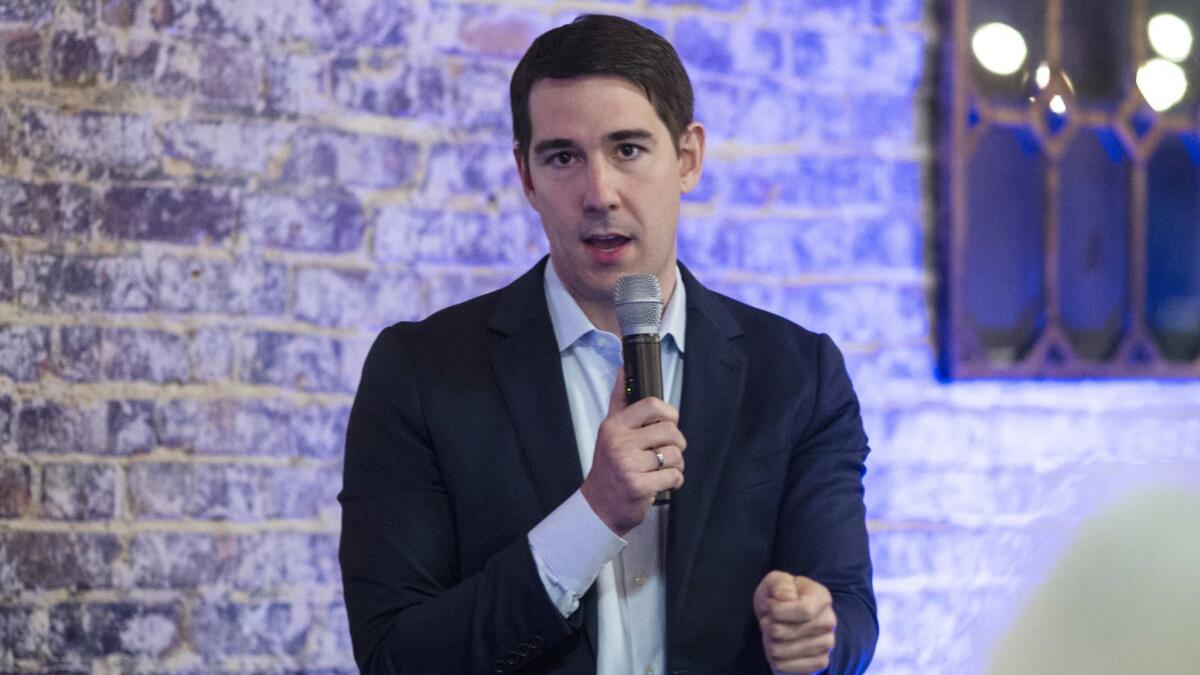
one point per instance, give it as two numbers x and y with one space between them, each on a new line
605 177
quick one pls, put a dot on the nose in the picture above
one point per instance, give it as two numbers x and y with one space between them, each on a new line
599 193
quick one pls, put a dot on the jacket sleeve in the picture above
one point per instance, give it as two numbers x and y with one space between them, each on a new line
823 534
410 608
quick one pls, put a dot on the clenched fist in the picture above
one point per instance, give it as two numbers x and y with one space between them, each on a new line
796 617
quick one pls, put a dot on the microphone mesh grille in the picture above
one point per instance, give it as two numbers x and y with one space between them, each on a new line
638 300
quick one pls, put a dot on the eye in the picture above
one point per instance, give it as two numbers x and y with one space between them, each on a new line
628 150
563 158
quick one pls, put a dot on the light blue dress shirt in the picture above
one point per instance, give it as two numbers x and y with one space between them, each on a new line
572 547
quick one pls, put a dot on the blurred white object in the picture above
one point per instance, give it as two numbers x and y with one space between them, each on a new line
1162 83
1170 36
1123 599
999 47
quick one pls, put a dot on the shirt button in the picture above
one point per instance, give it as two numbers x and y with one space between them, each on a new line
649 670
641 581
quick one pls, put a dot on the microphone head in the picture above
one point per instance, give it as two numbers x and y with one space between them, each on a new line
638 299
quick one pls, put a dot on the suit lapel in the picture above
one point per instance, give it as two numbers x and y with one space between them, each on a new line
713 381
529 369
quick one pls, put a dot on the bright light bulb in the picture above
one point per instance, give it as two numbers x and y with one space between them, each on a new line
1171 37
1042 75
1057 105
1162 83
999 48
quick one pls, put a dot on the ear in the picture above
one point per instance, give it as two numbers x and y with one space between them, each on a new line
691 156
523 171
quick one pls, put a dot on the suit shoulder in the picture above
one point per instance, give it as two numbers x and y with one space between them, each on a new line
778 346
507 306
759 324
435 343
467 317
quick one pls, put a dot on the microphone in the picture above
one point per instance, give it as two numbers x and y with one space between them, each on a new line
639 304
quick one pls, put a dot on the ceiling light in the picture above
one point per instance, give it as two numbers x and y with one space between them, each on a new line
1162 83
1042 75
999 47
1171 37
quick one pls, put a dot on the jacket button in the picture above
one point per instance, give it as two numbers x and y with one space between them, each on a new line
535 641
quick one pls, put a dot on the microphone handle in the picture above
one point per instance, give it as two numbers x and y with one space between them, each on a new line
643 377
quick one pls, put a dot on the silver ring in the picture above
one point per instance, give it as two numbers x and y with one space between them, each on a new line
660 458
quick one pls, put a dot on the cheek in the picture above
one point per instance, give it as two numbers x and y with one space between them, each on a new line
558 223
545 202
555 197
662 213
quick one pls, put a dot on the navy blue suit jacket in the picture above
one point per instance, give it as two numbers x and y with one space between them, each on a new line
460 441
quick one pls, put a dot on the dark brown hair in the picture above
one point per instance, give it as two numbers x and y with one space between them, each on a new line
595 44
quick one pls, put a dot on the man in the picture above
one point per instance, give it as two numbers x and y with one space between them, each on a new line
497 499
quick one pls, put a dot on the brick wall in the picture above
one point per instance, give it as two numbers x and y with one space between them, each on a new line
209 207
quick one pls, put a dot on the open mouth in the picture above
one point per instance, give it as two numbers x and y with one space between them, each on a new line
606 242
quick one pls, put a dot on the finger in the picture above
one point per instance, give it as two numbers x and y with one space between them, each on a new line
810 587
811 600
646 461
800 610
779 631
673 435
799 649
656 435
672 458
653 482
616 400
805 666
648 411
824 624
775 584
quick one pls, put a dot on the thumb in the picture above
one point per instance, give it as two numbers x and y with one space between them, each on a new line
616 401
805 587
777 585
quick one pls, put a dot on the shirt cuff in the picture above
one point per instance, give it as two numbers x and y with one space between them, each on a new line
570 547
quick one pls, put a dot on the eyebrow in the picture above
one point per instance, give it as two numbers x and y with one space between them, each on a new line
630 135
615 137
552 144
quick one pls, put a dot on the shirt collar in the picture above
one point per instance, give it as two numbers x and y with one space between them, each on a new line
570 323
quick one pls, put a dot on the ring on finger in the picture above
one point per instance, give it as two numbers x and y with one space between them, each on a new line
661 460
